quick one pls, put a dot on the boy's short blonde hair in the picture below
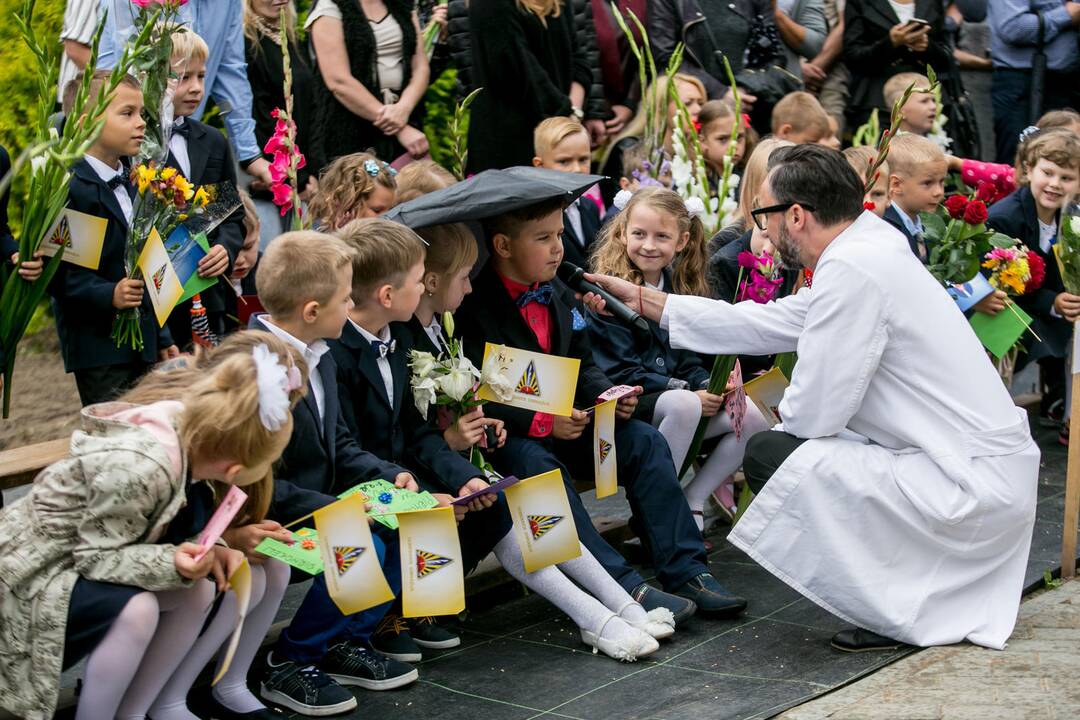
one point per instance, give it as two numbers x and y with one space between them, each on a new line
98 79
1059 145
802 112
897 84
420 178
549 133
188 45
383 252
299 267
907 152
861 158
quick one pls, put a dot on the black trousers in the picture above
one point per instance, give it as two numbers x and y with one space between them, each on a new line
765 452
100 384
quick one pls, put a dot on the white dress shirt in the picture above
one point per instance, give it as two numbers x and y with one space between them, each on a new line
179 147
573 214
312 354
434 331
106 174
382 361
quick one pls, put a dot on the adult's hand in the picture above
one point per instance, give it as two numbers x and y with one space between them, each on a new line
745 98
919 39
813 76
391 119
620 116
414 141
597 131
259 169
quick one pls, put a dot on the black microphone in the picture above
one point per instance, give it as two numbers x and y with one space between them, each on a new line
574 277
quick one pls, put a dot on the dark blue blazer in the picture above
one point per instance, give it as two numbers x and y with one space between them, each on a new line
1016 216
649 362
8 246
82 299
395 431
489 315
322 458
893 218
576 249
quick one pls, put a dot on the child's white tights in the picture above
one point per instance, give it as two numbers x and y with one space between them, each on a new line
268 583
676 417
146 642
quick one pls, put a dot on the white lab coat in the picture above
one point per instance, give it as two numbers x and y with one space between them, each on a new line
909 511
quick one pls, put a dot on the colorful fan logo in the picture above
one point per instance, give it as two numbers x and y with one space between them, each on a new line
605 450
529 384
61 236
427 563
540 525
344 557
159 277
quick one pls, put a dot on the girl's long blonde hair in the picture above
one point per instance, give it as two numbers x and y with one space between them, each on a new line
688 266
220 419
344 187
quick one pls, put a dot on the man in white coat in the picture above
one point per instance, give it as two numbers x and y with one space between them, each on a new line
899 491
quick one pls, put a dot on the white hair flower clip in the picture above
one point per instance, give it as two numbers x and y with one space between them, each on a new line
695 207
622 198
275 382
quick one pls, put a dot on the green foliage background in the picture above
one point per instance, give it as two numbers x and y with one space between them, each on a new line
17 78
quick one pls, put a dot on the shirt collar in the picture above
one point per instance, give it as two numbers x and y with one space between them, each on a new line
913 226
312 353
383 336
102 170
515 288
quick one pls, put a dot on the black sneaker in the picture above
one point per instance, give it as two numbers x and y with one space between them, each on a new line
352 664
428 634
304 689
650 598
393 640
711 597
857 640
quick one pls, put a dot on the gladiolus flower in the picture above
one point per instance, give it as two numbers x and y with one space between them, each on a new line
975 212
279 169
956 205
283 197
274 145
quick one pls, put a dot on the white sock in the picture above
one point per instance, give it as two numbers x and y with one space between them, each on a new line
114 662
676 416
587 572
232 690
182 615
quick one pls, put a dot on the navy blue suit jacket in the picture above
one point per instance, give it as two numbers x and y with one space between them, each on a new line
322 458
82 298
395 431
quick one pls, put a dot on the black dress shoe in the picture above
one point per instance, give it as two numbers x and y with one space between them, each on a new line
854 640
712 598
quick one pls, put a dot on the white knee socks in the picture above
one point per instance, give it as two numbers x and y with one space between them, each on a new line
676 416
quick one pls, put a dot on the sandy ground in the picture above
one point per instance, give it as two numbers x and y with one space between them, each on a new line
44 402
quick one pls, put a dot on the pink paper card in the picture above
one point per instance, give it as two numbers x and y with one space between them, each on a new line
735 404
219 523
619 391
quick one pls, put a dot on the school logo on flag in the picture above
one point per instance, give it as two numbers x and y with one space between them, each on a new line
529 384
540 525
428 562
159 277
604 449
344 557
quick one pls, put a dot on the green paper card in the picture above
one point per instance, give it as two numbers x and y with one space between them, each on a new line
196 284
386 500
998 333
302 554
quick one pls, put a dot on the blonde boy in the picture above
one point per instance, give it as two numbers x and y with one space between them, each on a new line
917 170
920 110
563 144
799 118
876 199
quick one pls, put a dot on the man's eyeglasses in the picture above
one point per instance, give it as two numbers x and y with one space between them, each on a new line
760 215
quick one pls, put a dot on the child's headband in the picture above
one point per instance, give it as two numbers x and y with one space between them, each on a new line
695 206
275 382
371 167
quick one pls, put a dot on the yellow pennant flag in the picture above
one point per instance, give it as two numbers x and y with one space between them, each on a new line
534 381
353 576
604 472
80 235
160 280
432 573
767 391
542 520
240 582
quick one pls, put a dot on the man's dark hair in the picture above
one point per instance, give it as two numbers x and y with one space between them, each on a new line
817 176
510 223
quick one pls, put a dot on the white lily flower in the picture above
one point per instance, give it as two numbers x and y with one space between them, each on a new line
456 384
424 394
422 363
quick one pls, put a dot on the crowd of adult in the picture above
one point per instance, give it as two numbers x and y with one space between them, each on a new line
361 69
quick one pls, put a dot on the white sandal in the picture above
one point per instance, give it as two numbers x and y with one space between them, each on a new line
643 644
659 622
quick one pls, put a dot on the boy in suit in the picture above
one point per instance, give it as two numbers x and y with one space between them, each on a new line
517 302
86 301
561 143
202 155
304 282
917 171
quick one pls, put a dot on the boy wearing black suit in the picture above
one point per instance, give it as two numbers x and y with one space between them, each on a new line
85 301
304 282
202 155
563 144
516 301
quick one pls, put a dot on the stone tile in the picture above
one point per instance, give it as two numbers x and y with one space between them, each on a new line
425 700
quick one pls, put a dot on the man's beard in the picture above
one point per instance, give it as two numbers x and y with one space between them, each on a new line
786 247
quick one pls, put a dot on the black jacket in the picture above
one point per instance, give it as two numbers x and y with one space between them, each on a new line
322 458
493 317
82 298
8 246
396 432
872 59
892 216
575 249
1017 217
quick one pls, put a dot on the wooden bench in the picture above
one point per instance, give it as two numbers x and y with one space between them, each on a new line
19 466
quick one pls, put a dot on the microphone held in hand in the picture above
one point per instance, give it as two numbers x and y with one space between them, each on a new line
574 277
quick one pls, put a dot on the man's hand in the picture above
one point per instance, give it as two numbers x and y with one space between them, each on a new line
745 99
127 294
168 353
406 481
813 76
710 404
31 269
597 131
259 169
625 406
570 428
992 304
214 263
1067 306
621 116
246 538
482 502
920 39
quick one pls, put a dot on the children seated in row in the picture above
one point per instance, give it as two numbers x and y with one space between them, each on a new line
515 302
109 573
389 279
563 144
85 302
352 186
657 243
917 173
861 159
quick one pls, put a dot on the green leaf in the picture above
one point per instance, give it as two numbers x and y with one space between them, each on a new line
1000 240
933 226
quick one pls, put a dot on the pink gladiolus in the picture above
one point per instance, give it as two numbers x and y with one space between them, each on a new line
301 161
279 168
283 196
275 113
274 145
